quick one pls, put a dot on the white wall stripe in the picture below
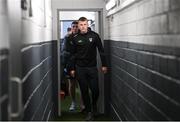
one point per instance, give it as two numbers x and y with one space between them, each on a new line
29 47
45 109
34 68
32 46
3 98
140 95
116 112
158 40
49 113
151 53
129 110
150 87
41 101
152 71
38 86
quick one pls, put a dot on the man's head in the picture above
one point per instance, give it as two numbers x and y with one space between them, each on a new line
83 24
74 27
69 30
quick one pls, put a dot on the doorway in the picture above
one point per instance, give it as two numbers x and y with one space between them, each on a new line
65 17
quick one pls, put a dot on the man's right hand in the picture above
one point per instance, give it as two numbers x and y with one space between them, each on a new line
72 73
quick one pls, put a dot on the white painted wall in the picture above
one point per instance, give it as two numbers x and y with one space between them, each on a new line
152 22
75 5
75 15
4 35
38 28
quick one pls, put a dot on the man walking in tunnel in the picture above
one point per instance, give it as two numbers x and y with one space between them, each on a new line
84 64
67 51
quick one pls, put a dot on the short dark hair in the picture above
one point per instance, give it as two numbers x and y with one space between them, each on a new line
74 22
82 19
68 29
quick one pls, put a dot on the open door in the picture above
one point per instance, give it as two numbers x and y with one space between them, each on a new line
64 17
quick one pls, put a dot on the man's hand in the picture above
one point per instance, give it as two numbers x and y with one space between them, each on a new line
72 73
104 70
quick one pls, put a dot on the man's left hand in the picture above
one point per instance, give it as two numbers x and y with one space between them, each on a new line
104 70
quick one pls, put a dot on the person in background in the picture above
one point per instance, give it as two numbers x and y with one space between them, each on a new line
67 51
83 65
69 32
64 84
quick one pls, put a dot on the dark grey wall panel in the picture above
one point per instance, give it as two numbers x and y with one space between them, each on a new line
43 106
148 110
4 76
4 109
31 83
107 84
55 79
145 81
4 82
38 82
27 61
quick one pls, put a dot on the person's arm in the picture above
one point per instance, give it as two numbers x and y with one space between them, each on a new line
66 46
102 54
64 51
73 58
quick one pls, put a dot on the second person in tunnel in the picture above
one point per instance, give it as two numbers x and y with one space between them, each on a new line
67 53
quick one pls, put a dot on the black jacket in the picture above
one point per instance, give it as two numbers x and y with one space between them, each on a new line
66 51
85 50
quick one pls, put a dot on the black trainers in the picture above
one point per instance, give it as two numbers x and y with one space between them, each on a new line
90 117
83 111
95 112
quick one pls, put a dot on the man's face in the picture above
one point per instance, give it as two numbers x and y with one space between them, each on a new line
83 26
74 28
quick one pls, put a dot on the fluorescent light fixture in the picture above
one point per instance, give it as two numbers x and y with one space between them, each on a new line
110 4
127 2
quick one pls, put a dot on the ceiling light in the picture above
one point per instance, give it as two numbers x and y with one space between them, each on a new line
110 4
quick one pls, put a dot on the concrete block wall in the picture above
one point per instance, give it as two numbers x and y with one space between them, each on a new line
39 63
145 58
4 58
38 27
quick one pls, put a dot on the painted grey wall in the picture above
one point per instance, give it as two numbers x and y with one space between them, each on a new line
39 68
144 58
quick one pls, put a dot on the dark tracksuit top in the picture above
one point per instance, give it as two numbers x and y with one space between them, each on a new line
67 51
85 50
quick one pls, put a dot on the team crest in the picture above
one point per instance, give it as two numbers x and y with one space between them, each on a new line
90 39
79 41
